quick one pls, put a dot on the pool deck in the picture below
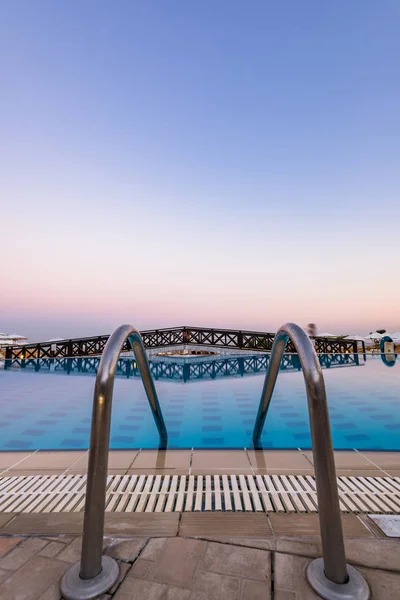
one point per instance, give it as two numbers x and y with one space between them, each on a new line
200 462
193 555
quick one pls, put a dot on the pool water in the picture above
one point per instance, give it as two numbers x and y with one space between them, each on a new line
207 403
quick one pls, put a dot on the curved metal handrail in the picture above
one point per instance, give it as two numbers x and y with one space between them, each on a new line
334 572
96 574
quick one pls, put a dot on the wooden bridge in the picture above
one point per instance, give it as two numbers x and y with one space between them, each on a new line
177 336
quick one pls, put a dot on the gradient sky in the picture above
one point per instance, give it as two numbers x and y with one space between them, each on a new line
215 163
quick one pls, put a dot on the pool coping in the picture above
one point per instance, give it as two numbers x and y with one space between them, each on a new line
200 462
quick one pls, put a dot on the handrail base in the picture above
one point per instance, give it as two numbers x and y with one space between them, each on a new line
75 588
356 587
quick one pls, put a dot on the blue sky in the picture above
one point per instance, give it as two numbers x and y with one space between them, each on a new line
165 160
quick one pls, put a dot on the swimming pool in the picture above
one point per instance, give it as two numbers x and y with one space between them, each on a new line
207 403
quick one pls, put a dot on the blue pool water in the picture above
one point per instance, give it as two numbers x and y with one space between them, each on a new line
207 403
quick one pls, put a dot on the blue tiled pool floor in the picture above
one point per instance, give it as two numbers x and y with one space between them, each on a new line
43 410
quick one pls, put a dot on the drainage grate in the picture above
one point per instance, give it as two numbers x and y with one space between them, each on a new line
198 493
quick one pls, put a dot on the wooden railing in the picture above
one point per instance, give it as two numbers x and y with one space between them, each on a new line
177 336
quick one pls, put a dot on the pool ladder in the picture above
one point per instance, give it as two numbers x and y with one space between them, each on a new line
95 574
331 577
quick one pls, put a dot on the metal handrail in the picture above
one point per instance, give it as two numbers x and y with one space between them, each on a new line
95 574
330 577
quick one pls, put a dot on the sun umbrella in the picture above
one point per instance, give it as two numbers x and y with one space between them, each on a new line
374 336
332 335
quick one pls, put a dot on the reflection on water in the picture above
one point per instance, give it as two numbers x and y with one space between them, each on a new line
389 359
218 409
182 369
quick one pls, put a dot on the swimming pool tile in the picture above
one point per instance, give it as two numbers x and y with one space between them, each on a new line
9 459
213 441
158 459
357 437
381 417
217 460
231 405
126 440
129 427
34 432
359 473
211 418
33 472
347 459
384 460
18 444
50 460
289 414
212 428
296 424
117 459
72 443
278 459
358 403
304 435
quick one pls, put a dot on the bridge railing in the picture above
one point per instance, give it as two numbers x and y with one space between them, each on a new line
176 336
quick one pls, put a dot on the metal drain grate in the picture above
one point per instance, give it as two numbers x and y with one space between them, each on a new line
198 493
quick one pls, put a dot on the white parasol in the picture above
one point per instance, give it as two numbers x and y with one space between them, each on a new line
327 335
374 336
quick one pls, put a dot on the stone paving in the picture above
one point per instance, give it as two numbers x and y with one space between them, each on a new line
193 555
199 462
183 568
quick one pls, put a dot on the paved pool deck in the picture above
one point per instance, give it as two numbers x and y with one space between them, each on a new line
200 462
194 557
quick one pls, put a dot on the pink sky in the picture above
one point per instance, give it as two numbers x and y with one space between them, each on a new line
228 168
